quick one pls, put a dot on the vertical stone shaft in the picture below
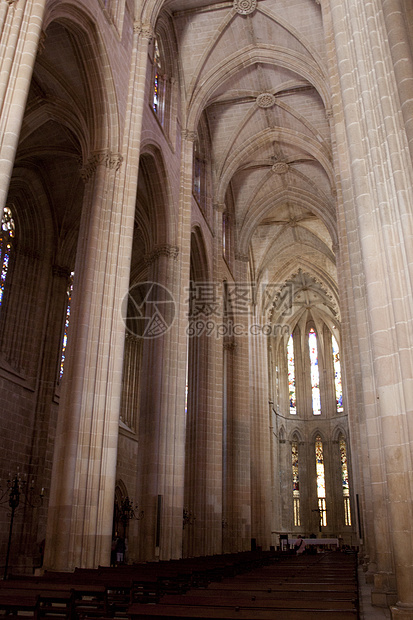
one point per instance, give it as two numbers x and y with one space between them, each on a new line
381 178
20 25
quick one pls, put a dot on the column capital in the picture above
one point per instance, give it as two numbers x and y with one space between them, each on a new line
144 30
167 250
112 161
189 135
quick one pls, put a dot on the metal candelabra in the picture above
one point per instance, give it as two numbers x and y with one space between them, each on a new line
17 487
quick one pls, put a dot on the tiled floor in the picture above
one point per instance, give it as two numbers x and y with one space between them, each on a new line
367 611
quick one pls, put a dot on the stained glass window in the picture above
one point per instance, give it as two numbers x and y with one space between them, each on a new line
321 481
296 483
337 375
344 481
291 375
158 84
7 234
315 375
67 319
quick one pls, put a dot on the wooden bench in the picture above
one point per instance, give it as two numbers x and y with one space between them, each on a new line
137 612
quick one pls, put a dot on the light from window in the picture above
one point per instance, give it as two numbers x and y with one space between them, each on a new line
337 375
69 293
291 375
296 483
321 481
6 243
345 482
315 375
158 84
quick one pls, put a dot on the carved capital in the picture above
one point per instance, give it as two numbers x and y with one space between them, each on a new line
143 30
219 206
189 135
104 158
170 251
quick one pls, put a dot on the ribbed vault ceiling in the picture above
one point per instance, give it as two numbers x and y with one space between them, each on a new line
261 80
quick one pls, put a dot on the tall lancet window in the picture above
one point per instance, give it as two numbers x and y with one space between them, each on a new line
158 97
315 375
67 319
6 246
291 375
296 483
344 481
337 375
321 481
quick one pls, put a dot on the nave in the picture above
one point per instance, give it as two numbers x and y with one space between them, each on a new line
253 585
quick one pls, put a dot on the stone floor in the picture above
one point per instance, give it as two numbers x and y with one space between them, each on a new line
367 611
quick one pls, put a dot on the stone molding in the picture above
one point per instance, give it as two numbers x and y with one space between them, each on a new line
112 161
189 135
144 30
245 7
169 251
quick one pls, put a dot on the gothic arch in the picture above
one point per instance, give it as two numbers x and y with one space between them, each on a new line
100 93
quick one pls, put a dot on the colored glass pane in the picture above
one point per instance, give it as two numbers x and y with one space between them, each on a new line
156 85
296 483
344 481
6 243
315 375
291 375
337 375
67 319
321 482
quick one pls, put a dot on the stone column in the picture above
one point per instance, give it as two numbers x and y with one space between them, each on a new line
237 483
401 53
20 28
84 472
83 478
378 194
162 421
260 433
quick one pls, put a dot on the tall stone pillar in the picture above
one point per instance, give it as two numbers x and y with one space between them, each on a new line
237 458
261 489
377 184
161 465
83 477
81 501
401 52
20 28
